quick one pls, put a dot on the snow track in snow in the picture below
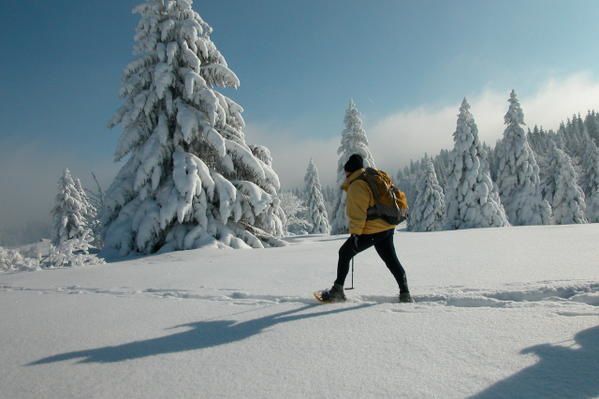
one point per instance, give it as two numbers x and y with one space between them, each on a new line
234 297
556 292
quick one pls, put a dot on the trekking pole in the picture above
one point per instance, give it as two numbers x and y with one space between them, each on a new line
352 275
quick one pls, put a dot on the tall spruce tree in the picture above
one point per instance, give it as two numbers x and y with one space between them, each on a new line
353 141
190 178
317 211
428 211
469 196
518 173
71 212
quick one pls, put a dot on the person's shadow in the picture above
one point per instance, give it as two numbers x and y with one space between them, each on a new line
199 335
560 372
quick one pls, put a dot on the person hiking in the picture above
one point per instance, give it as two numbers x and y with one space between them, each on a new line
366 231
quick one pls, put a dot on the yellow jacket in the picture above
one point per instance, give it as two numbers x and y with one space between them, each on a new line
359 199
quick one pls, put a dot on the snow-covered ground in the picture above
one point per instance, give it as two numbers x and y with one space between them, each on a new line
500 313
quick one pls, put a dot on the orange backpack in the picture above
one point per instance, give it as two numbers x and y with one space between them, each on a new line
389 201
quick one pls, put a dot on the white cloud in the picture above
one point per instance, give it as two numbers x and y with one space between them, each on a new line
408 134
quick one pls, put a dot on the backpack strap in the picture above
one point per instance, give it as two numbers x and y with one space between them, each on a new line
365 176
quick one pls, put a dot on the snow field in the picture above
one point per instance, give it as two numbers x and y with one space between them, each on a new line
501 313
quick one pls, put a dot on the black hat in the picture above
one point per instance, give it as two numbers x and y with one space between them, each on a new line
355 162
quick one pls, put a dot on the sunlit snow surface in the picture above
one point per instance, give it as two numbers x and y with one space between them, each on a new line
500 313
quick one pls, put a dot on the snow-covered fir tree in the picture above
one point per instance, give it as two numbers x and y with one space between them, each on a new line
353 141
562 190
428 211
71 211
468 197
11 260
317 211
73 252
295 210
518 173
190 178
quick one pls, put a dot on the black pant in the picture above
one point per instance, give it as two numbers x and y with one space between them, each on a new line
383 243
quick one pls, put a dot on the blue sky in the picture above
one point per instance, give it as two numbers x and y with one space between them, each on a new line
299 63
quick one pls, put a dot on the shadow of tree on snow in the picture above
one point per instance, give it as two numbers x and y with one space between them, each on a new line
199 335
560 372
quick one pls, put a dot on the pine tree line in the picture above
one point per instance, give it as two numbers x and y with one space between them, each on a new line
538 176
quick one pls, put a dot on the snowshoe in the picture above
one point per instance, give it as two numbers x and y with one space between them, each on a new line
335 294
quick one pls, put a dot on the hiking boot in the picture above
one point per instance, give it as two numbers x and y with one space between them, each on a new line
335 294
405 297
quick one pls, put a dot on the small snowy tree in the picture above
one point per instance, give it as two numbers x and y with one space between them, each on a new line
428 211
518 173
71 211
295 214
69 253
468 197
353 141
190 179
317 211
562 190
11 260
